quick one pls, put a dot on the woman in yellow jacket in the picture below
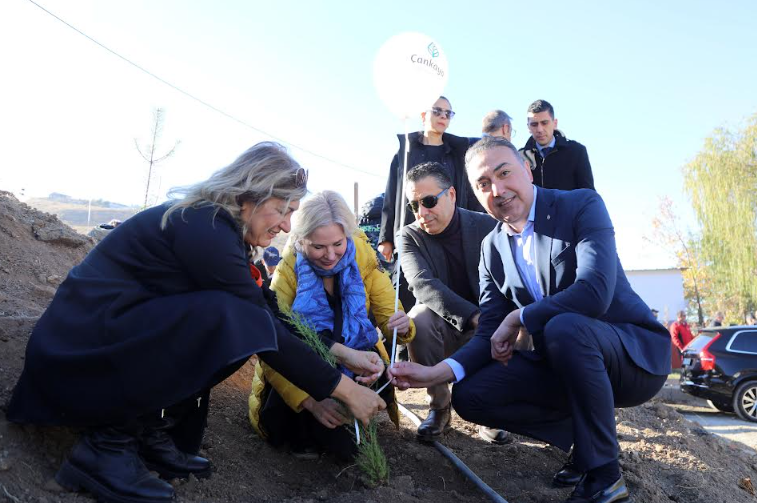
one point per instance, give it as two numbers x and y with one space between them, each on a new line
329 275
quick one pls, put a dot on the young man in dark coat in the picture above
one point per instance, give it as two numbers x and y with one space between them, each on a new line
556 162
440 252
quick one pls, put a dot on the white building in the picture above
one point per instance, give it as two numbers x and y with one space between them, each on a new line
661 289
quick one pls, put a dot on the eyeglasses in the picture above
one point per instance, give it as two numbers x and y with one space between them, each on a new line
301 178
427 202
438 112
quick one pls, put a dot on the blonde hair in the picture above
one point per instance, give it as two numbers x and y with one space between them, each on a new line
324 208
264 171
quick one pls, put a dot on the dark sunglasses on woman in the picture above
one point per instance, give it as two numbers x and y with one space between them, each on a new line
438 112
427 201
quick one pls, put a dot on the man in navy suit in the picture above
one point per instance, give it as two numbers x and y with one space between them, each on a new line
551 267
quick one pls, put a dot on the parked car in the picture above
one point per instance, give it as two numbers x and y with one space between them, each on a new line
720 365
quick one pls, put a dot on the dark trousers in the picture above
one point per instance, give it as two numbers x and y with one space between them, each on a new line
564 397
302 430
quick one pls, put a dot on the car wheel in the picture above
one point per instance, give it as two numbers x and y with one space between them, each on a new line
721 406
745 401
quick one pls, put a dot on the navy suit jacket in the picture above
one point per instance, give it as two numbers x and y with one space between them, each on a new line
579 271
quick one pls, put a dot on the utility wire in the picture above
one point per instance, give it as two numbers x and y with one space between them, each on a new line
203 102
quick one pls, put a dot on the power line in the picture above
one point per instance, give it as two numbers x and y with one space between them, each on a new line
203 102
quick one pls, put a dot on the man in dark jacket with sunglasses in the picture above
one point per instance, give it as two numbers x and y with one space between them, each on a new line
440 254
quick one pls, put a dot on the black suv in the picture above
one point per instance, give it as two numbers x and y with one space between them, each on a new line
720 365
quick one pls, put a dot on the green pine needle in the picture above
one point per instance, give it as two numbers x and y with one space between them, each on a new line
310 337
370 458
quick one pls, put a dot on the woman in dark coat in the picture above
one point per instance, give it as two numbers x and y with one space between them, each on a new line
159 312
433 144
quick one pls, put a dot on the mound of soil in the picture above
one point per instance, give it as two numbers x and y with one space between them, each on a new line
664 457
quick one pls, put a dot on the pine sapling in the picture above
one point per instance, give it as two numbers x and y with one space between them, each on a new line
371 459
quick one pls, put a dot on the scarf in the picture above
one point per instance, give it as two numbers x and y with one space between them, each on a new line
311 302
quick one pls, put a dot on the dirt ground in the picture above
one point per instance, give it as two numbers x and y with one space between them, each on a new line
664 457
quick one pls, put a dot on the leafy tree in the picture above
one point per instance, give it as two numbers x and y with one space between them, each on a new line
722 184
149 152
668 233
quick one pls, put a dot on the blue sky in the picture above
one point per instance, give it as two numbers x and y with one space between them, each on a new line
640 84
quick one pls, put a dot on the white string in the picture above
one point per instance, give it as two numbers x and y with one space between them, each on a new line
357 432
398 247
387 383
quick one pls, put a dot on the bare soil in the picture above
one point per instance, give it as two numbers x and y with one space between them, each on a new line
665 457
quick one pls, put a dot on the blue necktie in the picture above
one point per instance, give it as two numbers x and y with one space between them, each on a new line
545 151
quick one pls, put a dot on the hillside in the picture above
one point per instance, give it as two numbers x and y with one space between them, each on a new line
73 212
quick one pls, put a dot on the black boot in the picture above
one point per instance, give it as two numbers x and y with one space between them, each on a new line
105 463
437 422
159 452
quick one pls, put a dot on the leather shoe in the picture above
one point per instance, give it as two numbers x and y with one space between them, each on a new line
157 449
105 463
617 491
437 422
494 436
568 475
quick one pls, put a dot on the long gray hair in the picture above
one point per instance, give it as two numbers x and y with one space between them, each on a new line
324 208
264 171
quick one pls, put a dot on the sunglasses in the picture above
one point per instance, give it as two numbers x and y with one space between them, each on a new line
438 112
427 202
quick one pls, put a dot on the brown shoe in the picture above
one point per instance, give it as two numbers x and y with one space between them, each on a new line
437 422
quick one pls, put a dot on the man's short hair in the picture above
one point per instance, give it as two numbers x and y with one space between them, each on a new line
432 169
494 120
541 106
488 143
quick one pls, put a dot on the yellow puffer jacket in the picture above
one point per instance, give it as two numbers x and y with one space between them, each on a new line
379 297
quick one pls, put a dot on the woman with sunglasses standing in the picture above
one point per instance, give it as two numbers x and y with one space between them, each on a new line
433 144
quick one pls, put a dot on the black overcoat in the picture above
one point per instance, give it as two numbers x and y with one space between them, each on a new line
455 148
150 318
566 167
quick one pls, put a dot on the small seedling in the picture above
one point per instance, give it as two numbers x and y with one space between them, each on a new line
371 459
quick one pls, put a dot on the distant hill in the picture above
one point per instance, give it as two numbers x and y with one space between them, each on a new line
74 211
63 198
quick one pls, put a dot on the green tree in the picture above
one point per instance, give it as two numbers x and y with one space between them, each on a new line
722 184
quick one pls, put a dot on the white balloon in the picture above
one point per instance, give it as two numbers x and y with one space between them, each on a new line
410 72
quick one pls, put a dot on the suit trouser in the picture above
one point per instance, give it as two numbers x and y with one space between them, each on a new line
565 397
435 339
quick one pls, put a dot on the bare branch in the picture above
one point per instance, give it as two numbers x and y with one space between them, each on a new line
149 153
